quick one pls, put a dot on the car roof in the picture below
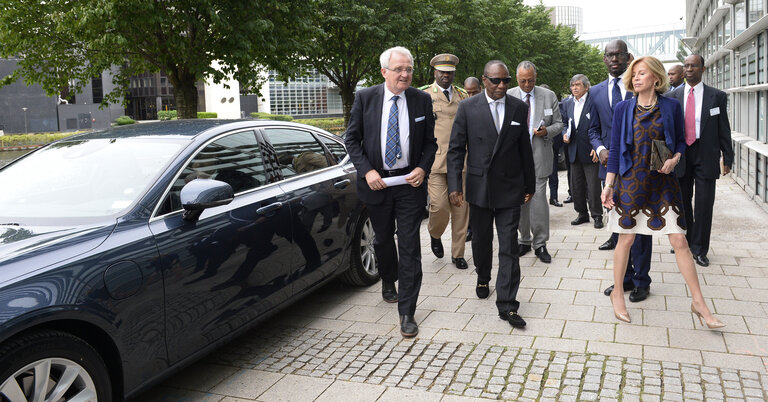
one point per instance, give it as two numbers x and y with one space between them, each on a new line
179 128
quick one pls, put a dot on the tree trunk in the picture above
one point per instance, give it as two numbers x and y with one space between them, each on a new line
185 94
347 98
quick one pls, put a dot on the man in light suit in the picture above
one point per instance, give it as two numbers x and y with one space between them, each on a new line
707 134
584 167
604 97
490 130
544 123
391 134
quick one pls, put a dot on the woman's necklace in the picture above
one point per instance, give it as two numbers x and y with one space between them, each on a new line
649 107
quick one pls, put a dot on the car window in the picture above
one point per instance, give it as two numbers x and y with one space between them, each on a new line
335 147
234 159
297 151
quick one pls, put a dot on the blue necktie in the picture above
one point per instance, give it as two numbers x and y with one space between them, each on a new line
616 94
392 153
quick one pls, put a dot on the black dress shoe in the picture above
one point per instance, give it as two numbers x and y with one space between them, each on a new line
524 249
543 255
608 245
639 294
598 222
469 235
701 260
568 200
460 263
408 326
388 292
513 319
437 247
582 218
482 290
554 202
627 286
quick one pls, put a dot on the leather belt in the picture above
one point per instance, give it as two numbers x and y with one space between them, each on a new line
393 172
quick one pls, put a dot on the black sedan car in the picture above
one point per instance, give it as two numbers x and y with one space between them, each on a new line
128 253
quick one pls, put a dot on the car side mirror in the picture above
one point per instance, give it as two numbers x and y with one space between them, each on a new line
200 194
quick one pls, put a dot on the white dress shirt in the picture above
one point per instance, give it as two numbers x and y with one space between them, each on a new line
610 89
698 96
578 106
499 105
449 89
403 126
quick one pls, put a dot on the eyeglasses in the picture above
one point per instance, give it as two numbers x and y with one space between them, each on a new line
496 81
400 70
617 55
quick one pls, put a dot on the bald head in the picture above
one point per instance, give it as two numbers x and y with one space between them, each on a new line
675 75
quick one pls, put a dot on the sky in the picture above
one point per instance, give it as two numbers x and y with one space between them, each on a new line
608 15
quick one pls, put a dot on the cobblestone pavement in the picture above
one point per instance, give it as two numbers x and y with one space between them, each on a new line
343 343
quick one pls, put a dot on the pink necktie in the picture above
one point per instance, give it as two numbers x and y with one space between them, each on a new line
690 119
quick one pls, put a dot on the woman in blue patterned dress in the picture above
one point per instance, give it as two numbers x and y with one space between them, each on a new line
642 200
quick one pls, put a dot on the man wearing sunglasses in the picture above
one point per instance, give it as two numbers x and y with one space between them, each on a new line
391 134
490 131
544 123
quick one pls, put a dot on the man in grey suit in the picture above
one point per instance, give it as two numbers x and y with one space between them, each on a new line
490 130
544 123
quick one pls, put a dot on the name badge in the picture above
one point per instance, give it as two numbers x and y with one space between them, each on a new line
547 112
714 111
418 119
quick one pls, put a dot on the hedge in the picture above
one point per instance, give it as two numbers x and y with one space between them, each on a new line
166 115
268 116
332 124
123 120
207 115
26 140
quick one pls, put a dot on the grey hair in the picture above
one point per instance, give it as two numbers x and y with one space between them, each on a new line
583 78
527 65
387 54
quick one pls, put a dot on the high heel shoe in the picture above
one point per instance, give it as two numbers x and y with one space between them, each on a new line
619 316
710 324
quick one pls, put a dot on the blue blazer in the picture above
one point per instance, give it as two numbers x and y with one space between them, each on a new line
622 136
601 119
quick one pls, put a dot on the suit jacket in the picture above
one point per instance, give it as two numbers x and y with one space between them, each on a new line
499 165
580 146
547 109
363 136
714 133
444 113
601 120
622 137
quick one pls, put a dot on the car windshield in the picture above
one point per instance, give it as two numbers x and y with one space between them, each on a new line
83 178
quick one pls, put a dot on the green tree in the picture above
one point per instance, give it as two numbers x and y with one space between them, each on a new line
64 43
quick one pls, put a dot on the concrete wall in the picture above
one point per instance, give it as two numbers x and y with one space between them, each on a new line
41 109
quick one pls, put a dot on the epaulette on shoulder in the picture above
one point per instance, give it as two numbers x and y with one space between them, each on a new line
424 87
462 90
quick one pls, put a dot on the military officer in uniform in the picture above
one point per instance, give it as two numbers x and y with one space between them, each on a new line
445 103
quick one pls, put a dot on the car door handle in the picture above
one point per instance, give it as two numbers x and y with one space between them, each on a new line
341 183
269 208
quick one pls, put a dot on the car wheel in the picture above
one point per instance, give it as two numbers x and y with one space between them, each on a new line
364 269
52 366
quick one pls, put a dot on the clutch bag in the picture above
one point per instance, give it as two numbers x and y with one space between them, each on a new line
659 154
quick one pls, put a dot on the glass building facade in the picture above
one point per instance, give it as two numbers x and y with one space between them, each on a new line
569 16
310 95
732 36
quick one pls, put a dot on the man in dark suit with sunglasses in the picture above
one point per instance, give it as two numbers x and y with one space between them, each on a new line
491 131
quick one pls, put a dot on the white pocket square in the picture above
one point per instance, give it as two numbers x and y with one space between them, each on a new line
514 123
418 119
588 116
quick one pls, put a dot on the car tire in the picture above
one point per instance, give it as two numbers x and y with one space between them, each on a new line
74 369
363 269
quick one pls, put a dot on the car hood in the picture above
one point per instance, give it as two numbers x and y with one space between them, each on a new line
25 249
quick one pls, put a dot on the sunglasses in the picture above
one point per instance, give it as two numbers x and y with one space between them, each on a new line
496 81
